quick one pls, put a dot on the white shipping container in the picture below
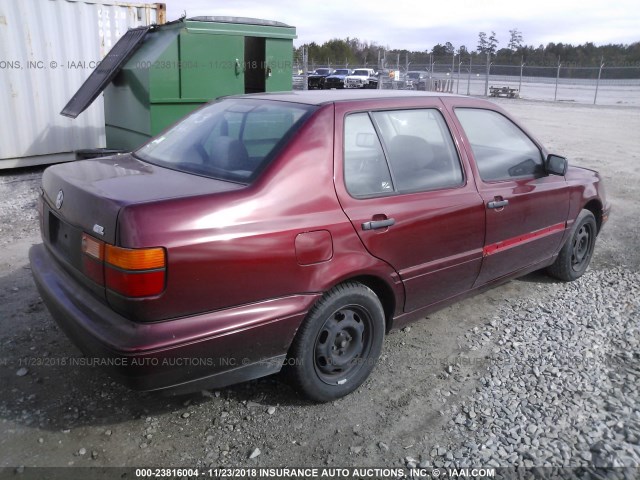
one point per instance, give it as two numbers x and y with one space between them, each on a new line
48 48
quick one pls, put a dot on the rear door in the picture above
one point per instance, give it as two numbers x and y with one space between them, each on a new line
405 186
526 209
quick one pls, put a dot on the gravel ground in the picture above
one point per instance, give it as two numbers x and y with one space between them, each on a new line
18 216
533 373
562 385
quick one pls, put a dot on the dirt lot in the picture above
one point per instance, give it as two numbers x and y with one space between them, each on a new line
55 415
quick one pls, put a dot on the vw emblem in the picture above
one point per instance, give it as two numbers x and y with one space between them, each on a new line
59 199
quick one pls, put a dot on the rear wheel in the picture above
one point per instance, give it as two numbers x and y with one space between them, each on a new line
575 255
338 344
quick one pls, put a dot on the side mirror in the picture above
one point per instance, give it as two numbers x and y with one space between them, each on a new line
556 165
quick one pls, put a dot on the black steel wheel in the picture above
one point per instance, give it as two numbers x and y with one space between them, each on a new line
342 341
575 255
338 344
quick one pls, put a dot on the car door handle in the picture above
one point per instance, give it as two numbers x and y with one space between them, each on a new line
375 224
498 204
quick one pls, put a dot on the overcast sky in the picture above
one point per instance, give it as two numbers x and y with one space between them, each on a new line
418 25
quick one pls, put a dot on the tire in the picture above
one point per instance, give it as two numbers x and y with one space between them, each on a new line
338 344
576 253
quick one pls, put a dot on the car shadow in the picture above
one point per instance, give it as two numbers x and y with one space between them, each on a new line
539 276
46 385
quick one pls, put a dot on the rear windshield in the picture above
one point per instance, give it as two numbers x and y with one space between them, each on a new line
232 139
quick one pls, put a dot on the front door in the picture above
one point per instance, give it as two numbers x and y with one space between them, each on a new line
404 185
526 209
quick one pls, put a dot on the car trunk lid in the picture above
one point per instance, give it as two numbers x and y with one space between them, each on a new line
94 191
86 197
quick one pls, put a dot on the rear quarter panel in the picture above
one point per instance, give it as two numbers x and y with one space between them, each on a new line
239 247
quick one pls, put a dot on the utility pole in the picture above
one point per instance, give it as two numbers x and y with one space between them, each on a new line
469 79
486 78
595 97
521 68
305 66
431 65
555 94
453 69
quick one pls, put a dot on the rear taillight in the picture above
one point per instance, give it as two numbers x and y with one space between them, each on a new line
135 272
93 258
134 258
132 272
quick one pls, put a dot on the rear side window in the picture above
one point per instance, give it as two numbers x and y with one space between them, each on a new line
365 169
502 151
418 153
232 139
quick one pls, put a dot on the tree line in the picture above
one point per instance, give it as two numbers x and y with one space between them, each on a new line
352 51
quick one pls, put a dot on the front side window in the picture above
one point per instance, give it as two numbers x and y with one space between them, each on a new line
418 153
502 151
232 139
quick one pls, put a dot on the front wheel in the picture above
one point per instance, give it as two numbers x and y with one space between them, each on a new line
338 344
576 253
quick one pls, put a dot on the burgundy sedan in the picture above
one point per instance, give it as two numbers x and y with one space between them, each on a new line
293 230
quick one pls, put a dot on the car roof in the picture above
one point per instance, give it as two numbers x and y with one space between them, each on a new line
321 97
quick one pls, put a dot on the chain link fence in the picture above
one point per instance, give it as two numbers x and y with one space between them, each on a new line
466 75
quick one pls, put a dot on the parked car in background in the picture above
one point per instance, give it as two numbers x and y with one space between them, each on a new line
293 230
336 79
362 78
415 80
315 80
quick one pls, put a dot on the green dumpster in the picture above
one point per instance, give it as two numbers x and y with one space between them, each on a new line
152 78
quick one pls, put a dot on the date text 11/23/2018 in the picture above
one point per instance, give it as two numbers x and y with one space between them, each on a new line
313 472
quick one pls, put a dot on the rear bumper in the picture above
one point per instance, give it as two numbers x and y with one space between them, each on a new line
186 354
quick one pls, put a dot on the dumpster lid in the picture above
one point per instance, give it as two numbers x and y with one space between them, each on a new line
105 71
243 20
